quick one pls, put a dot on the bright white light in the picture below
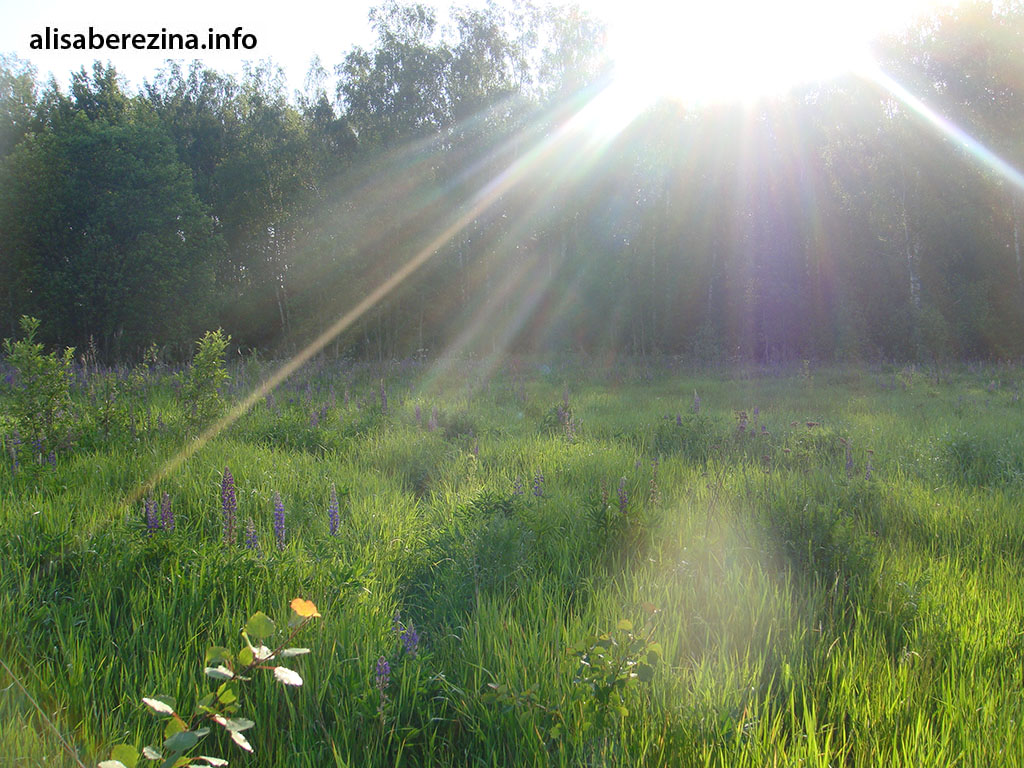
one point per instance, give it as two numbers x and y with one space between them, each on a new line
713 51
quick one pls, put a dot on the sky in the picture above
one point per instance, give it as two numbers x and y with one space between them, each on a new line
701 38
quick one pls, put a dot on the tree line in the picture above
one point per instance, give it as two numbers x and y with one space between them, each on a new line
836 221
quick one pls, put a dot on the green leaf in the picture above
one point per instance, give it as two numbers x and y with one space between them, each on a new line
219 673
126 754
260 625
645 673
624 625
233 724
245 657
655 649
217 654
182 742
289 652
174 726
226 693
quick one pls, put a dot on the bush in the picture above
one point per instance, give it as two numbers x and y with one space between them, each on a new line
204 378
41 406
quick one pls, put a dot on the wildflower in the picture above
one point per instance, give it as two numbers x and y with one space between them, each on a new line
654 495
432 424
538 484
849 460
346 397
696 402
410 640
407 634
229 506
332 511
151 520
314 420
278 520
679 420
419 414
166 514
382 679
251 541
623 496
383 398
517 486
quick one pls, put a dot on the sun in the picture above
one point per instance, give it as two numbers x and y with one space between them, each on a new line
711 52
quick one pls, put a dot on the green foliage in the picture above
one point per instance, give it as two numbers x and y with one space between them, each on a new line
201 384
798 600
265 646
41 409
612 666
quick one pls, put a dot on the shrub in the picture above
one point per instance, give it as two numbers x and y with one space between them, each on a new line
41 406
203 380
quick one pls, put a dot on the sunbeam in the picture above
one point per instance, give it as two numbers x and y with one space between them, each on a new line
945 126
575 144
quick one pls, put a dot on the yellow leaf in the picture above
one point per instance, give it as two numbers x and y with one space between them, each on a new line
304 608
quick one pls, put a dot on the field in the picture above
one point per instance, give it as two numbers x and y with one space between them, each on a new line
591 565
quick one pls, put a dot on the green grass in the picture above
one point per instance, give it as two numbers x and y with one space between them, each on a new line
808 614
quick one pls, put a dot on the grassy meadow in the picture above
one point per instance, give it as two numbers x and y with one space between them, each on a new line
599 565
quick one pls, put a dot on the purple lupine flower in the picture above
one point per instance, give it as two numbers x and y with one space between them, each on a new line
654 495
410 640
538 484
166 514
332 511
346 397
314 420
278 520
383 398
867 472
757 412
679 420
849 460
432 424
419 414
229 506
396 623
382 679
152 524
251 540
476 448
517 486
696 402
623 496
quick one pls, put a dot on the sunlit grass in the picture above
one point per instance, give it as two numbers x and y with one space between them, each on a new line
808 614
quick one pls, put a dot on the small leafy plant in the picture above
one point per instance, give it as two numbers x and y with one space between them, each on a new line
182 734
202 382
611 665
41 406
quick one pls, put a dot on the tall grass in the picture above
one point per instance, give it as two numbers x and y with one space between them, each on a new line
810 611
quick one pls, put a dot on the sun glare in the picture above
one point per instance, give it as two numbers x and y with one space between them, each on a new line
711 52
